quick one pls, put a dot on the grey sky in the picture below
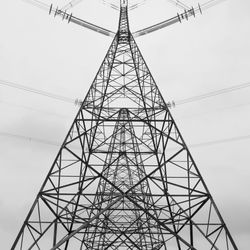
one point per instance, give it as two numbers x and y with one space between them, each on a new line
206 53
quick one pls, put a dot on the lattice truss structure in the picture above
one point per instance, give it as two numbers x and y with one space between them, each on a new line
124 178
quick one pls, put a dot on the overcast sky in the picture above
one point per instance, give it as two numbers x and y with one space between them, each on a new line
204 54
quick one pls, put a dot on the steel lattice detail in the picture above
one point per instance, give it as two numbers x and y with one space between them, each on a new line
124 177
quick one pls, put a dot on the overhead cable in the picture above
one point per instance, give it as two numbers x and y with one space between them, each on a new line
173 103
38 4
225 140
194 145
113 6
179 18
29 138
36 91
179 4
71 4
212 94
135 6
70 18
34 109
211 3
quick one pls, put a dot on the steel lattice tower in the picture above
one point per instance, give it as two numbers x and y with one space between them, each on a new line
124 177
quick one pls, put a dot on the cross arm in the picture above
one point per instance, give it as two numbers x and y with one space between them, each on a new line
177 19
72 19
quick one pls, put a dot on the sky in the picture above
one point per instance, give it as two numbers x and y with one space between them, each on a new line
206 53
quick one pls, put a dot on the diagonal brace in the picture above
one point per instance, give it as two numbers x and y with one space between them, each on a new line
84 225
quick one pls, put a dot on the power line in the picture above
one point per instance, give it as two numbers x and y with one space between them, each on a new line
195 145
36 91
111 5
29 138
70 5
225 140
179 4
217 110
177 103
212 94
34 109
38 4
211 3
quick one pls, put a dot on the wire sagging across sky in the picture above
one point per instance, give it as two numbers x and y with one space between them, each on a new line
70 5
28 138
36 91
212 94
177 103
210 4
179 4
225 140
194 145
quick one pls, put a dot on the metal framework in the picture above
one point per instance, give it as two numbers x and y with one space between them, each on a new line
124 177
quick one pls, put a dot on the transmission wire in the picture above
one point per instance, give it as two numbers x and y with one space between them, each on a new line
38 4
204 6
212 94
211 3
177 103
70 4
225 140
194 145
34 109
179 4
29 138
36 91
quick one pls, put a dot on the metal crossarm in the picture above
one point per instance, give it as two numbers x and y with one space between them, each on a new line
177 19
72 19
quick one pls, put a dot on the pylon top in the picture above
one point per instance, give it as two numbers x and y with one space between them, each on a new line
123 27
124 3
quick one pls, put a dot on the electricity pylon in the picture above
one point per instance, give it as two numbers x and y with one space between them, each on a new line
124 177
